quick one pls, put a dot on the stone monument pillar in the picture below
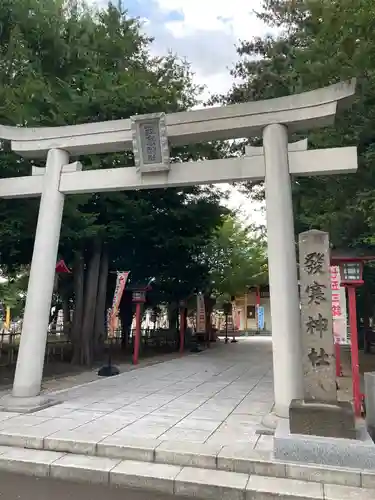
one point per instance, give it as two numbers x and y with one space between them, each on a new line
316 318
319 413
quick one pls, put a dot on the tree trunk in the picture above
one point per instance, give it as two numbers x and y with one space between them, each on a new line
367 307
173 317
66 315
100 323
76 330
91 292
209 306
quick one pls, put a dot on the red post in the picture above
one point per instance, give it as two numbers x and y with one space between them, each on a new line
354 350
182 329
137 339
258 296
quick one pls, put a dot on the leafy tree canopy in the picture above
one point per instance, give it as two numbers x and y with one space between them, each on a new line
236 257
320 42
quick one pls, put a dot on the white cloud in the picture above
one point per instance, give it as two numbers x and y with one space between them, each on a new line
207 35
205 32
231 16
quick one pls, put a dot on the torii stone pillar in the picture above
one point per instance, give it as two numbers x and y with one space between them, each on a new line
283 280
42 275
30 360
282 269
276 162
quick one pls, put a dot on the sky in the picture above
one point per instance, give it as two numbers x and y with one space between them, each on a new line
206 33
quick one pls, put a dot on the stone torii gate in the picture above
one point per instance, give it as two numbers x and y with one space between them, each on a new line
150 137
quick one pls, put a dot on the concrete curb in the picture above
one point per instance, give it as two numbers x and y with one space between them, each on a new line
171 479
233 459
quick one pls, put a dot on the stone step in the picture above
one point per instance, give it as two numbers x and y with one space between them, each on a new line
238 459
171 479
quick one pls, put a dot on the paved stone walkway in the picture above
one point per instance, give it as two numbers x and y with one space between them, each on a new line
217 397
58 383
184 427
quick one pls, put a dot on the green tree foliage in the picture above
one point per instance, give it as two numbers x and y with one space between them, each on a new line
320 42
316 47
236 257
12 294
62 62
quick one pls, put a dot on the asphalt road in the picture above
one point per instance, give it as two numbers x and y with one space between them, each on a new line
19 487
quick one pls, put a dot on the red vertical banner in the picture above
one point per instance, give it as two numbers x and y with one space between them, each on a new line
122 278
340 329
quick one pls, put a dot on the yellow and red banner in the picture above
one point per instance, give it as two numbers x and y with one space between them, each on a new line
122 278
7 319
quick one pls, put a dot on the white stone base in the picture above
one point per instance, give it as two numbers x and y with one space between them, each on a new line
10 403
298 448
270 421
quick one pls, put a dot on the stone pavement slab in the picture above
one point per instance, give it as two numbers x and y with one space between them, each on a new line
23 437
330 475
273 488
217 397
187 454
139 449
208 484
156 477
246 460
83 468
368 479
30 462
332 492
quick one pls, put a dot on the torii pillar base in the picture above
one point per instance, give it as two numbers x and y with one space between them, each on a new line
26 405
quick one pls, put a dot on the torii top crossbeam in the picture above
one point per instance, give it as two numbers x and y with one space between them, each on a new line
299 112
